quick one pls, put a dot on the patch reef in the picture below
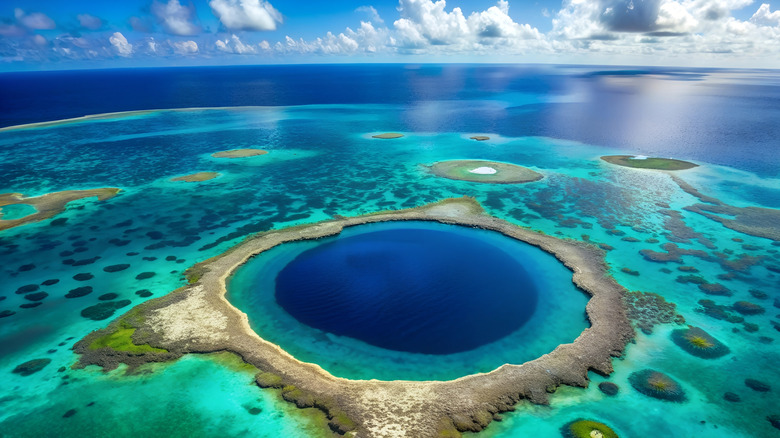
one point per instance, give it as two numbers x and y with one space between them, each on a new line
199 319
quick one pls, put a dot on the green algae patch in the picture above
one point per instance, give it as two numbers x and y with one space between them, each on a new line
657 385
648 163
483 171
587 429
122 340
388 136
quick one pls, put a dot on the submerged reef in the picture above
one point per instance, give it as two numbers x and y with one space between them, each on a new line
587 429
699 343
657 385
196 177
198 319
48 205
482 171
31 367
648 309
239 153
648 162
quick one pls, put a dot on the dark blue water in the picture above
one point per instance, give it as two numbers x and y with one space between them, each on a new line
414 290
723 117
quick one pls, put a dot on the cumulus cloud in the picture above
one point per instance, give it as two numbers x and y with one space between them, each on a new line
185 47
122 47
35 20
372 14
246 14
175 18
235 45
90 22
765 17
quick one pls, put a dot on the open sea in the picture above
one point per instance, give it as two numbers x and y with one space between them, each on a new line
317 123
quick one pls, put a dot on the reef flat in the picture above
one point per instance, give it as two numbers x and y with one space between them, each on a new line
388 135
197 177
239 153
48 205
198 319
648 162
483 171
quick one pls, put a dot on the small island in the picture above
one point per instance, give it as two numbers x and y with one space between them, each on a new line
239 153
48 205
642 162
480 137
482 171
197 177
388 135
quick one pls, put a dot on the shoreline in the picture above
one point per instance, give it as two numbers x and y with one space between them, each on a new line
198 319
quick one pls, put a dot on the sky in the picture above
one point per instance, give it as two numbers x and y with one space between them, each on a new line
53 34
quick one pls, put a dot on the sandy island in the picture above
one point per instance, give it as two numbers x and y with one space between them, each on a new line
480 138
198 319
239 153
48 205
388 135
197 177
492 172
643 162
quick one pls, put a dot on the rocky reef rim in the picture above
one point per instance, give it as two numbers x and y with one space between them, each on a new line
198 319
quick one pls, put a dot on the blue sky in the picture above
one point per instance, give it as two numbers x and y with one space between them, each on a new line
46 34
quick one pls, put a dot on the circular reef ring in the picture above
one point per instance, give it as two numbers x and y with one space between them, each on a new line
198 319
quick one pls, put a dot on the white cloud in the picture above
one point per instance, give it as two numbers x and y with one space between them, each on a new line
764 17
35 20
235 45
246 14
90 22
175 18
184 47
122 47
373 15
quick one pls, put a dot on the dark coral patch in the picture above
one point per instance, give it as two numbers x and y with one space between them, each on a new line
84 262
36 296
748 308
774 420
7 313
31 367
27 267
143 293
709 308
757 294
699 343
103 310
69 413
51 282
732 397
31 305
83 276
144 275
116 268
79 292
757 385
108 297
587 429
608 388
657 385
715 289
27 289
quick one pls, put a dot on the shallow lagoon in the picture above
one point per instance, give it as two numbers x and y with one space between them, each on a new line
322 161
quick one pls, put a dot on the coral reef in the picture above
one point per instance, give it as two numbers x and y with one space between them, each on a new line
748 308
495 172
657 385
648 162
31 366
699 343
649 309
587 429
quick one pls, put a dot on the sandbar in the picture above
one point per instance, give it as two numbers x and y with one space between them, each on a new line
198 319
482 171
388 135
643 162
50 204
239 153
480 138
197 177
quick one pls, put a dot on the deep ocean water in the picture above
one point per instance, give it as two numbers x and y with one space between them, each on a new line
317 122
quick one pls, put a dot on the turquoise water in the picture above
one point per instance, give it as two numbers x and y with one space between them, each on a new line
322 161
559 316
16 211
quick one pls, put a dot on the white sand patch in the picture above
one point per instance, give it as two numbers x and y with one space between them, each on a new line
640 157
191 319
484 170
